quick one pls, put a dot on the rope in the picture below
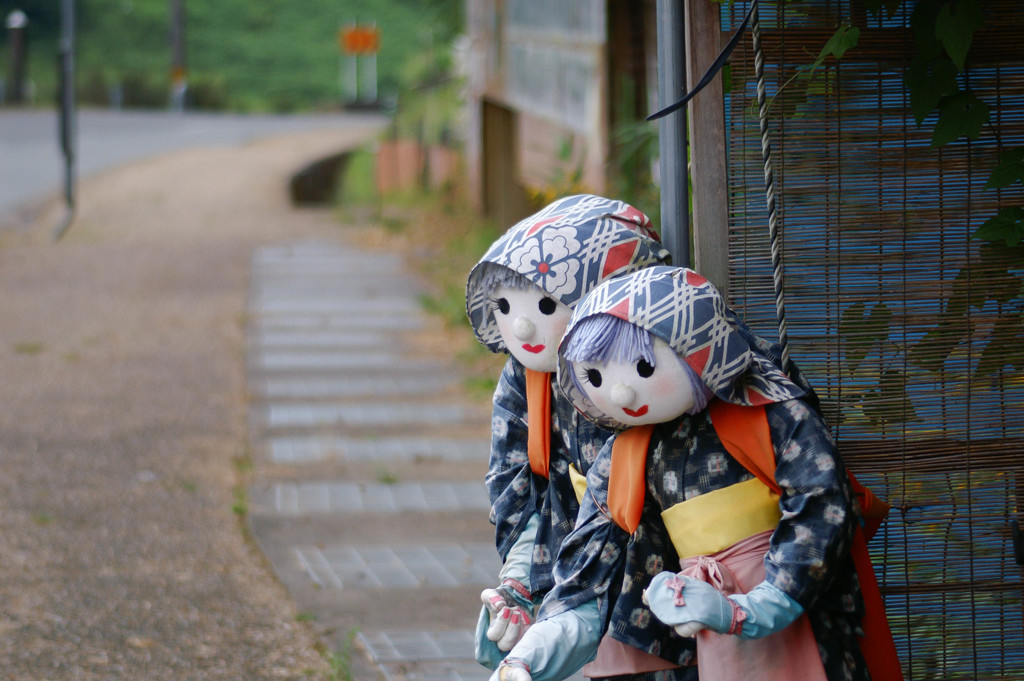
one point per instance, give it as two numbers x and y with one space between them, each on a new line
769 188
752 19
712 71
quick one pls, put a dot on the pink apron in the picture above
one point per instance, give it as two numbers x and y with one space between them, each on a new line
615 658
786 655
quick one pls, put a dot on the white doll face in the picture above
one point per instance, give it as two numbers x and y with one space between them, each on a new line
532 324
636 393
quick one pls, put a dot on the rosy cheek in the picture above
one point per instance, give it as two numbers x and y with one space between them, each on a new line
554 330
661 389
602 401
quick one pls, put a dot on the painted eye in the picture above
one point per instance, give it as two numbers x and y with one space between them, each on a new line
503 305
594 376
547 305
644 368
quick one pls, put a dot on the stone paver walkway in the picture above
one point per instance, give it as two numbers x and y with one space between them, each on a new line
337 394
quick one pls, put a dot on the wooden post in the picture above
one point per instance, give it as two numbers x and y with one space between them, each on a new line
707 146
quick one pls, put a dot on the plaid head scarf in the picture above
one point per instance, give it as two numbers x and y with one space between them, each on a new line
686 311
566 249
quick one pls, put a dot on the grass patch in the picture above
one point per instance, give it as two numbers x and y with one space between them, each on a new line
340 660
386 477
242 462
30 348
358 189
442 235
241 505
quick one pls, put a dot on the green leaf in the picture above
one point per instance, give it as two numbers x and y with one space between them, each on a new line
875 6
1005 346
960 114
928 81
861 332
855 348
968 291
892 6
1003 286
955 25
1009 169
888 404
845 38
878 321
893 383
922 21
1007 226
931 351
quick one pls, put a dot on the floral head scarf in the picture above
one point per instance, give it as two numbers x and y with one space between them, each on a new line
686 311
566 249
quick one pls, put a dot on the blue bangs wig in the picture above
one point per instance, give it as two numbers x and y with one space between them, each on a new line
604 338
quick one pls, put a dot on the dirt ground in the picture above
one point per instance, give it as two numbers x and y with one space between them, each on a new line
123 425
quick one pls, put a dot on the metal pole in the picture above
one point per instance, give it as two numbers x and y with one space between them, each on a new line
68 131
675 215
17 30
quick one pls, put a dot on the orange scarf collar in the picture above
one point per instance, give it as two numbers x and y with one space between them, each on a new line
627 480
538 420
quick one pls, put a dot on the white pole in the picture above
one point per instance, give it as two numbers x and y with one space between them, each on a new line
352 65
371 77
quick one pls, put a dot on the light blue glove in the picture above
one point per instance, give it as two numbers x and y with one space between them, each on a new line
519 559
690 605
508 609
554 648
768 610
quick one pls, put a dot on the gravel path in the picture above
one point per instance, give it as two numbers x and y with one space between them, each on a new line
123 425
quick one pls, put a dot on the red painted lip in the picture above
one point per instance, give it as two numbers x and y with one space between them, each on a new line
639 412
532 348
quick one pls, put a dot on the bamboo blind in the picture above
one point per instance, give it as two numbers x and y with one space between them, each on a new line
905 325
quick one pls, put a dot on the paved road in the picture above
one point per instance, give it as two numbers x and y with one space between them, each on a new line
31 164
124 414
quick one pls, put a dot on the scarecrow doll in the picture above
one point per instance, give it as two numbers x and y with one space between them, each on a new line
723 452
519 299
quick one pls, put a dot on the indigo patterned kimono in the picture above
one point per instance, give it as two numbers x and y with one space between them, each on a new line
516 492
809 551
809 556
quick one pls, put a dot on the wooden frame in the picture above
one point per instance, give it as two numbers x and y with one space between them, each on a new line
708 173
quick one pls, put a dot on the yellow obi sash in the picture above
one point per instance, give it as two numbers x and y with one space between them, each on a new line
715 521
579 482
